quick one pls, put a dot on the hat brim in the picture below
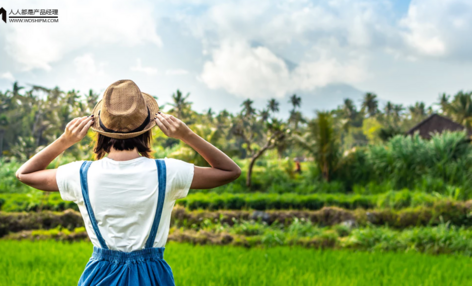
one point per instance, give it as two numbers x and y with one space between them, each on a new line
151 103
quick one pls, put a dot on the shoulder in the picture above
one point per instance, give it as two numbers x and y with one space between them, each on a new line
71 166
68 180
179 177
176 164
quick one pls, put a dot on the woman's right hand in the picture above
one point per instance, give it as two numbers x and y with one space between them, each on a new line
223 170
171 126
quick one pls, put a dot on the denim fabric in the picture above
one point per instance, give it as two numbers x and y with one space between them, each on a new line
142 267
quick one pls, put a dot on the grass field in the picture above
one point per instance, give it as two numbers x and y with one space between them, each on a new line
54 263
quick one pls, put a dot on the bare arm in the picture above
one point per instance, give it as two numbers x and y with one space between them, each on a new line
222 171
33 173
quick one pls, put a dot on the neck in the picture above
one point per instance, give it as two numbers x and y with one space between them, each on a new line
125 155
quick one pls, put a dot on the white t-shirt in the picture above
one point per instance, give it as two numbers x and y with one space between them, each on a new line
123 196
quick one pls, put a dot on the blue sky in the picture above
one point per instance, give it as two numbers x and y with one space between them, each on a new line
224 52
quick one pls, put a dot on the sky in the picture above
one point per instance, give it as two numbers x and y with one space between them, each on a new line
224 52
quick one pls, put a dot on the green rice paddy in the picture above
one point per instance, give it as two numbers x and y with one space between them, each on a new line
55 263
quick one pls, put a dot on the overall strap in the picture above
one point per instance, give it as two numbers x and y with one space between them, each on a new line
161 177
83 182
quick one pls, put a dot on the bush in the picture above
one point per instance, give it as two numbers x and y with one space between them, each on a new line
261 201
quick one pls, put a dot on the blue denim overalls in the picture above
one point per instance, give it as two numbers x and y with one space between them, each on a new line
140 267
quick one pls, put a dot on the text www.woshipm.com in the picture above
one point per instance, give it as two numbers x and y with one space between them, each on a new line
33 20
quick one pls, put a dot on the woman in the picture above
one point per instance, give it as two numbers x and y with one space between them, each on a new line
126 198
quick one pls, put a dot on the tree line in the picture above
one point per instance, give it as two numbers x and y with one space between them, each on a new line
32 117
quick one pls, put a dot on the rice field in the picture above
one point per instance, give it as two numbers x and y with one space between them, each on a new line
55 263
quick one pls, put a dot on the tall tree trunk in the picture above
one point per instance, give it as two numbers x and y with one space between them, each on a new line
249 172
253 161
1 142
325 171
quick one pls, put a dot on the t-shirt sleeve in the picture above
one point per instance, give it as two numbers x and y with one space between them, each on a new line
68 181
179 177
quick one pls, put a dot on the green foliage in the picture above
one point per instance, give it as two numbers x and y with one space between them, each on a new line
34 201
53 263
8 181
439 165
321 141
260 201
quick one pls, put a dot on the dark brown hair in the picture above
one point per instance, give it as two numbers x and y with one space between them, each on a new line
141 142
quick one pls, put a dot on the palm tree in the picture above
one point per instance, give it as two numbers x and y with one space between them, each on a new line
349 115
15 92
397 110
222 118
349 109
389 107
210 114
460 108
321 140
91 99
181 106
444 103
295 101
417 111
273 105
370 104
248 110
295 116
264 114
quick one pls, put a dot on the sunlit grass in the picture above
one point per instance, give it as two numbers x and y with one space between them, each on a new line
54 263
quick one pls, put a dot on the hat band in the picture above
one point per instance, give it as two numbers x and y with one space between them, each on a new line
141 127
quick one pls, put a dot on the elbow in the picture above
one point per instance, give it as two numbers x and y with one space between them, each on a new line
18 175
236 173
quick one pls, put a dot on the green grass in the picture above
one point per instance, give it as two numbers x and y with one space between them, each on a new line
35 200
53 263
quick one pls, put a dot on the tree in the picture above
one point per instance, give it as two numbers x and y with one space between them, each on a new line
322 141
91 99
349 108
273 106
389 108
370 104
460 108
397 111
295 116
248 110
258 132
181 108
210 115
418 111
392 127
295 101
444 103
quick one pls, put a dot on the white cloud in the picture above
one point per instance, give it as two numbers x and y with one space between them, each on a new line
89 73
439 28
256 72
146 70
251 48
359 24
250 44
246 72
7 76
82 24
176 72
85 65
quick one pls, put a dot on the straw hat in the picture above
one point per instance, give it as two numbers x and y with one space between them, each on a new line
124 111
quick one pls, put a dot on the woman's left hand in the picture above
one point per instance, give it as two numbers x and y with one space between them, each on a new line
76 129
